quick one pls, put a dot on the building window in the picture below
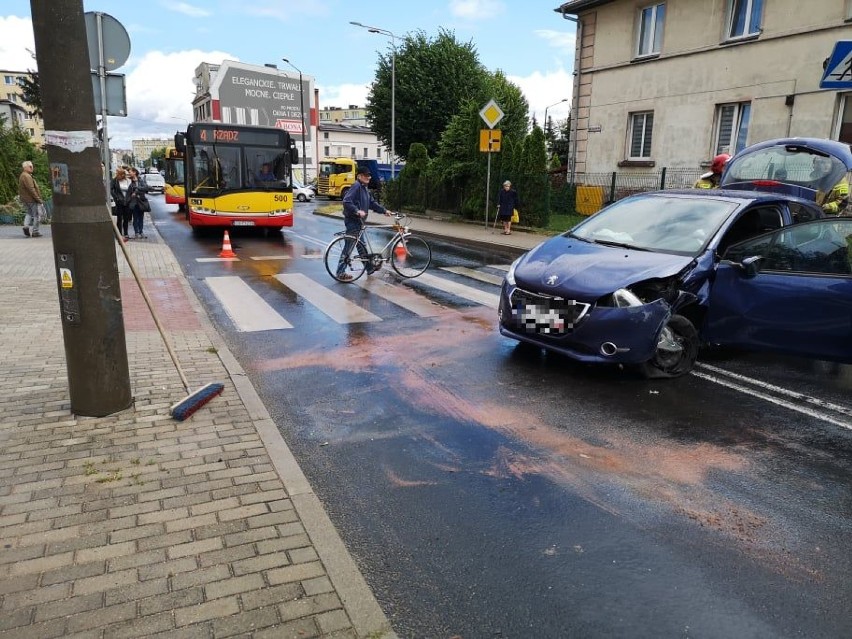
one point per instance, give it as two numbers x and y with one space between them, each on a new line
641 131
326 151
378 152
9 80
732 127
649 39
744 18
325 135
352 151
366 152
848 15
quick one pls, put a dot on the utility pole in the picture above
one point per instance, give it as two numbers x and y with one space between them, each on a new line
83 239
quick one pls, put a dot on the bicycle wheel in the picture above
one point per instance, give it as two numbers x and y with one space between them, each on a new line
353 265
410 256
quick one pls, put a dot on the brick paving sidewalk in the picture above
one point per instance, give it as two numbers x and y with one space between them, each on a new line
136 525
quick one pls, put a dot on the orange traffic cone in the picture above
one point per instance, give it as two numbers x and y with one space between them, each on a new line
227 251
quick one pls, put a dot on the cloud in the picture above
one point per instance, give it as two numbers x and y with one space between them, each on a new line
561 40
476 9
160 90
16 38
343 95
186 9
545 89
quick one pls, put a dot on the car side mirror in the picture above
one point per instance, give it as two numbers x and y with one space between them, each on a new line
750 266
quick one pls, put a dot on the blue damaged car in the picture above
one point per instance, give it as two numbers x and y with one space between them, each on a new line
647 280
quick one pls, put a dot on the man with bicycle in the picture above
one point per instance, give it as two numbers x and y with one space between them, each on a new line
356 205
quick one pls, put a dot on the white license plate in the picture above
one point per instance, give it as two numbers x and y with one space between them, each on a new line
243 222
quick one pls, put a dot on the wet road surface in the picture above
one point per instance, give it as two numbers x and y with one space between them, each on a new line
488 489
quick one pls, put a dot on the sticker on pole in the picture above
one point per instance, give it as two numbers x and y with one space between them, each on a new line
491 114
65 278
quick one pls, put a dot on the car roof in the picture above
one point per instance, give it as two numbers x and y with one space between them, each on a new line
727 194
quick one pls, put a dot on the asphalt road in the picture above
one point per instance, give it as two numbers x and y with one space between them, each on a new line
490 490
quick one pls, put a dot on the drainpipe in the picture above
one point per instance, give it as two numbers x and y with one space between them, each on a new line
576 100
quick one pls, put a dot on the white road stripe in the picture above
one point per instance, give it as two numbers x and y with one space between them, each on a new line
474 274
335 306
307 238
500 267
844 410
217 259
401 296
774 400
461 290
246 308
271 257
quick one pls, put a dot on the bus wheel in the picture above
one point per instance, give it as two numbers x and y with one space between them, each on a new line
273 231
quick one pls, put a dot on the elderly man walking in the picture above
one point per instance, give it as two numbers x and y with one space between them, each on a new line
30 196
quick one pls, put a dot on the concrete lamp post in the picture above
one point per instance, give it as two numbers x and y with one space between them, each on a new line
393 37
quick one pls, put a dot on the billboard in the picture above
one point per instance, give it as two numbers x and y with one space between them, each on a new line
263 96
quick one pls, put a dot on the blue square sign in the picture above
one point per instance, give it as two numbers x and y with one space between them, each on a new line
838 71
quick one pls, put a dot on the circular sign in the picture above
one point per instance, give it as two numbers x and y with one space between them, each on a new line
106 34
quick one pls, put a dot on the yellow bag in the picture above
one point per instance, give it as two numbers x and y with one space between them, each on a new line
515 217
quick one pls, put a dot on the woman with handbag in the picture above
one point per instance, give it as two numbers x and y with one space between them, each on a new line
137 203
507 206
119 187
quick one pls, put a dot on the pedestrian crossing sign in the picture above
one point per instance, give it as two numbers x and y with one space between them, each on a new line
838 70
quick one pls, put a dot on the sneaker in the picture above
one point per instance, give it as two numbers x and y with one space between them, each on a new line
35 234
27 231
345 277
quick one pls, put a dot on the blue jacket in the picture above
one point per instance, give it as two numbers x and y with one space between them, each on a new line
359 198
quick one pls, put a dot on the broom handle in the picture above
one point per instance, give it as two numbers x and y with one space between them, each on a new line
120 238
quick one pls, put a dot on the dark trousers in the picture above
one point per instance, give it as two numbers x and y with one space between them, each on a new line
353 227
138 220
122 218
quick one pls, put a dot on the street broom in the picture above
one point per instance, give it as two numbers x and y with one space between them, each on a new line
194 400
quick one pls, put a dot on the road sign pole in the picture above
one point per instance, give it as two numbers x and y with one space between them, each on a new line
487 190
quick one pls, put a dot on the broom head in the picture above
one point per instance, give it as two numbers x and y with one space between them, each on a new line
192 402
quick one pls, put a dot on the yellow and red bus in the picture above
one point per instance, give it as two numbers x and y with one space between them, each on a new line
175 178
238 175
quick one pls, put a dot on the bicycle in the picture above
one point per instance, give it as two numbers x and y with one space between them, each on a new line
408 255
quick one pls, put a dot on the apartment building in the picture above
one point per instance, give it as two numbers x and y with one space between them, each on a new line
672 83
11 92
351 141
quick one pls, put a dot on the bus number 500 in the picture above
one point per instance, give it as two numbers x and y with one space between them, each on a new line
280 198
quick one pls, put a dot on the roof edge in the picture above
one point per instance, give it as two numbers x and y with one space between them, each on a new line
574 6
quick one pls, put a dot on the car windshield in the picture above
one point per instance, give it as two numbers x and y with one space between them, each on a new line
788 164
667 224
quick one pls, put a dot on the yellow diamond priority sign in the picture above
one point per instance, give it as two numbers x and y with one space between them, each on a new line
491 114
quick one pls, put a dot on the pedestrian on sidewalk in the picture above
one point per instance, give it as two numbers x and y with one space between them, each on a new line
119 187
30 196
137 202
507 204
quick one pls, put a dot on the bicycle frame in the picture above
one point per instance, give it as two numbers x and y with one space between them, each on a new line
385 250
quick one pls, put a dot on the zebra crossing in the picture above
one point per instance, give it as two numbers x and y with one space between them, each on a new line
250 313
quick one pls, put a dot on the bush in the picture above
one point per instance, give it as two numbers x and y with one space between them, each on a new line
12 212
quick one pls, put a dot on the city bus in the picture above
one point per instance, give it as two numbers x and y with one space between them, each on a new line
238 175
175 177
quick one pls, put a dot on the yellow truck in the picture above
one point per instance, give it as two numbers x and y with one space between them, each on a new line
337 175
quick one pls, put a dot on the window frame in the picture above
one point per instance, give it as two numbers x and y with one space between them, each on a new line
657 28
844 103
748 11
646 145
734 144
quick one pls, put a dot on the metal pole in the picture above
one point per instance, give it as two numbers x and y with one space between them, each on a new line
488 189
102 81
393 107
304 128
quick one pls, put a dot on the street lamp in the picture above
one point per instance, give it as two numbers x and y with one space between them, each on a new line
393 37
547 107
304 129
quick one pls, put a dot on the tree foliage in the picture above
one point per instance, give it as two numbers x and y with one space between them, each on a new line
433 78
31 93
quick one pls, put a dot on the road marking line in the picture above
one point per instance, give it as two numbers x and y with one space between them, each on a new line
461 290
307 238
249 312
271 257
774 400
474 274
217 259
500 267
337 307
843 410
401 296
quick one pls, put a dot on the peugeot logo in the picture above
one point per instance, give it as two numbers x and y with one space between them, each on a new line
551 280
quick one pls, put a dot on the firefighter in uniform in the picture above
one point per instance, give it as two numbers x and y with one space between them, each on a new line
711 180
835 201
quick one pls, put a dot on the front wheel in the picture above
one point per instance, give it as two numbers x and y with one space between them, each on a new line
342 265
410 256
677 350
